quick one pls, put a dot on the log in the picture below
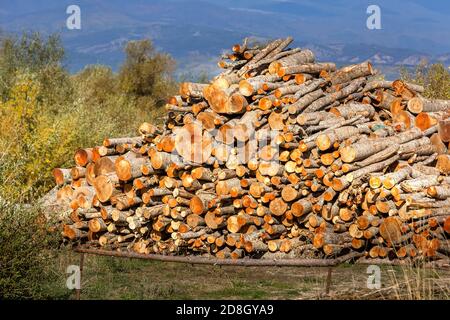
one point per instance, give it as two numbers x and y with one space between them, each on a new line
105 186
325 141
331 98
125 140
62 176
190 89
302 103
350 110
193 144
417 105
279 156
302 57
390 229
83 157
262 54
349 73
250 86
199 203
129 166
420 178
104 165
443 163
306 68
363 149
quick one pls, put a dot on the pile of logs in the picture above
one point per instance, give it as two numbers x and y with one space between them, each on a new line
279 156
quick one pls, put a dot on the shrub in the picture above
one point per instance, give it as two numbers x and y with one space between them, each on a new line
34 138
146 72
435 78
30 52
46 113
26 262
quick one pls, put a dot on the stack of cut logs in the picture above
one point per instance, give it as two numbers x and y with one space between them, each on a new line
278 157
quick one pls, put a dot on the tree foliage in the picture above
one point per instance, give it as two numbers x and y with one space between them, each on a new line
146 72
46 113
32 53
434 77
26 264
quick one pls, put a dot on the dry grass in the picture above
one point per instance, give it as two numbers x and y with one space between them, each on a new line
398 283
120 278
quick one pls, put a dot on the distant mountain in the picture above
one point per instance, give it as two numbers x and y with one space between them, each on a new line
445 58
195 32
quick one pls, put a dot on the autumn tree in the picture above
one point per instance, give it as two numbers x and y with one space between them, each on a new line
146 73
34 54
434 77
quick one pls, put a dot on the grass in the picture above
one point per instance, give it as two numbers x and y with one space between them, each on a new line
122 278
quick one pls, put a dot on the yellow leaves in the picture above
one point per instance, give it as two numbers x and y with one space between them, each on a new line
22 104
434 77
33 138
48 114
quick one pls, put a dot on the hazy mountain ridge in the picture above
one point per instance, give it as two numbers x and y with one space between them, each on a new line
196 32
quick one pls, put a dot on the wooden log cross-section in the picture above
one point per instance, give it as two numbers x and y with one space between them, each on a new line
280 156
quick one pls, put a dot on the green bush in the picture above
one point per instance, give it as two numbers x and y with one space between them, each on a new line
146 72
46 113
29 52
26 259
435 78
